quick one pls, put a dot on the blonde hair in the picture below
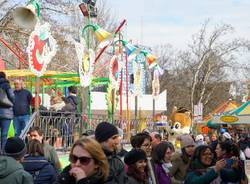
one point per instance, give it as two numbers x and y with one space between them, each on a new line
96 152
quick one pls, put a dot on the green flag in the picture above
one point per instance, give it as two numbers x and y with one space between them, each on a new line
11 131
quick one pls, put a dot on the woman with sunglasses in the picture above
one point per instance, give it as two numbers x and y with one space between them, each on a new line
88 164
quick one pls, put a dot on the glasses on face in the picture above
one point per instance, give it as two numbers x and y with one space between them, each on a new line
83 160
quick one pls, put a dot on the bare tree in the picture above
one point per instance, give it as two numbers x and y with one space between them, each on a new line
210 54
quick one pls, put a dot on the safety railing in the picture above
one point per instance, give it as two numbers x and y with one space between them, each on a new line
61 129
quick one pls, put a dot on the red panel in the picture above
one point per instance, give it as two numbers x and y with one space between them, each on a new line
2 64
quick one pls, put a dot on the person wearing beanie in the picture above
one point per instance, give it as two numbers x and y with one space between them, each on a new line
181 160
108 137
143 141
199 140
11 169
137 170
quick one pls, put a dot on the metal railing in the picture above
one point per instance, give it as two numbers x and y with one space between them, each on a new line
61 129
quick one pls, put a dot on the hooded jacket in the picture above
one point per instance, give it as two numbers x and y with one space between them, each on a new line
116 169
12 172
7 112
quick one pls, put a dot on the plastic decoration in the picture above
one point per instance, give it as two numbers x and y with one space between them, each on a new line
110 101
155 84
115 72
86 58
103 36
42 48
138 71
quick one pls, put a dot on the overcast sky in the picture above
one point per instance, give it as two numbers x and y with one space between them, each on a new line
153 22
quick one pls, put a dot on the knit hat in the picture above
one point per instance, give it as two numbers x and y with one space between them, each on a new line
227 135
199 138
186 140
134 155
104 131
15 147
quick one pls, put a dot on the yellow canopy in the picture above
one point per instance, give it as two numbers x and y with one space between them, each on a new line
48 74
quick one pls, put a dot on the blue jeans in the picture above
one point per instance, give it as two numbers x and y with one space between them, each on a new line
19 123
4 125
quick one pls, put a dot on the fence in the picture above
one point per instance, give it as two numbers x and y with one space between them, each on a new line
61 129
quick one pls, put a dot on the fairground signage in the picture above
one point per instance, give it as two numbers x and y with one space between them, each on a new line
229 119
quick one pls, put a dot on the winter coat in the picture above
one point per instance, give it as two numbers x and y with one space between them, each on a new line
7 112
22 104
179 170
163 177
116 169
66 178
73 100
133 181
51 155
211 177
41 170
12 172
203 174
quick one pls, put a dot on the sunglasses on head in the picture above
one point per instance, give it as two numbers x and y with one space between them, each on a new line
83 160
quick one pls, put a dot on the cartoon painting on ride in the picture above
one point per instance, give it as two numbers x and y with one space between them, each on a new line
42 48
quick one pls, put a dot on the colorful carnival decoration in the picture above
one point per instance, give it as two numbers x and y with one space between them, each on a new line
86 58
27 17
132 50
151 59
155 84
110 100
115 72
42 48
102 36
139 72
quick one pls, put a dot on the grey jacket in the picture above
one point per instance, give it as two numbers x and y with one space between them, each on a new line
12 172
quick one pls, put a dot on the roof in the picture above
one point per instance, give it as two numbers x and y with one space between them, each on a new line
224 107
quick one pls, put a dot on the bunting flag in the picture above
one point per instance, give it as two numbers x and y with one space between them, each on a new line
42 48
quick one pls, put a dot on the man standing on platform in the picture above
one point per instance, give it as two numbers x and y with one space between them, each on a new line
21 107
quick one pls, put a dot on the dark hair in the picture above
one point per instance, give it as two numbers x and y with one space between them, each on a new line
231 149
72 89
2 75
196 163
185 157
225 146
160 150
36 128
35 148
138 139
133 172
158 136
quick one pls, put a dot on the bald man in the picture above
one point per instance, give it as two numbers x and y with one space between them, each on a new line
21 107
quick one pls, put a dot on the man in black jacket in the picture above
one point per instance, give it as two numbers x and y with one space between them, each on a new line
21 107
107 135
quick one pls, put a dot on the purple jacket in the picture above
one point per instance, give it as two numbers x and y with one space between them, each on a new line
163 177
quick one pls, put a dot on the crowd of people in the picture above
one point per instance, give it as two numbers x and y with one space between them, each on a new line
100 159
